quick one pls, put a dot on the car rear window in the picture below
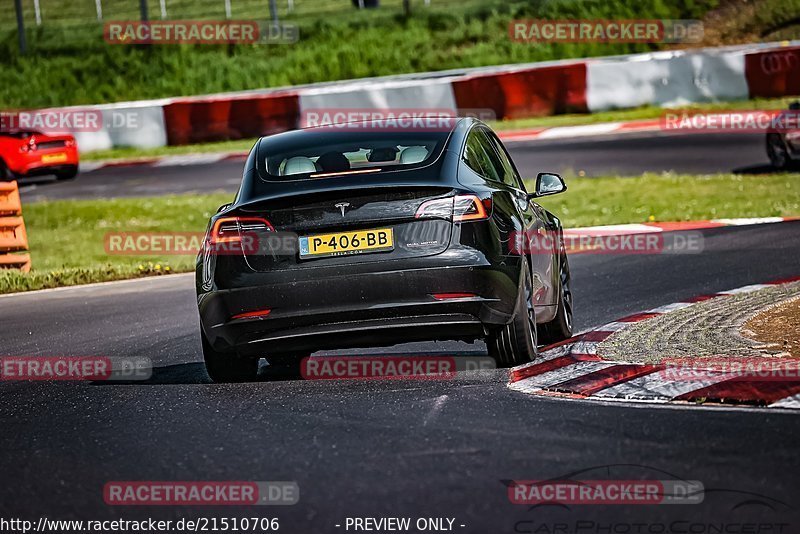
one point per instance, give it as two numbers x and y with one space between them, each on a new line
328 152
17 134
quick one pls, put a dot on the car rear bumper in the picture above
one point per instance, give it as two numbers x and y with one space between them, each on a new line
33 165
48 170
351 309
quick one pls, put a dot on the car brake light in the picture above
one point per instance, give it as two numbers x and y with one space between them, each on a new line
69 143
453 296
229 230
460 208
252 314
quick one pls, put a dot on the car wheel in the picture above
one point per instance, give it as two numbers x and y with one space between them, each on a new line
560 327
777 151
515 343
67 174
286 366
5 173
228 366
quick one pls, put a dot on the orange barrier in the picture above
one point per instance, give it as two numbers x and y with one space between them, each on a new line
12 234
197 120
533 92
773 73
13 237
9 199
16 261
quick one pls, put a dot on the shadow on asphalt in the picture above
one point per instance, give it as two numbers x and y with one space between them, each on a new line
195 373
757 169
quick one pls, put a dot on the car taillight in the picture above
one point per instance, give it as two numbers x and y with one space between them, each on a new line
69 143
440 207
471 208
460 208
252 314
453 296
29 147
230 230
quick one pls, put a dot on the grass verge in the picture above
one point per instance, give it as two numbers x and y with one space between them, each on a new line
674 197
67 238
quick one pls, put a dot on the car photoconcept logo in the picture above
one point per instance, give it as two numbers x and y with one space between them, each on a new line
342 206
778 62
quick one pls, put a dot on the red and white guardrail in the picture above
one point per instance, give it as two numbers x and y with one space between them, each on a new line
669 78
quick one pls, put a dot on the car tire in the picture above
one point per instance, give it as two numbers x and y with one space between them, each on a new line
777 152
515 343
5 173
560 328
228 366
67 174
285 366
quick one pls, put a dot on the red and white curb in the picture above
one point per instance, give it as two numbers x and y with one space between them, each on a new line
583 130
672 121
573 368
676 226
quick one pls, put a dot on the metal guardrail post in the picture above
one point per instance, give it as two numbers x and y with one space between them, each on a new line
143 10
23 44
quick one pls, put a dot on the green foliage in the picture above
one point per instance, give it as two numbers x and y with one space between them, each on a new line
71 64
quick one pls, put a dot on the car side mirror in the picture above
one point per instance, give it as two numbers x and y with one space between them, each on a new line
548 183
223 207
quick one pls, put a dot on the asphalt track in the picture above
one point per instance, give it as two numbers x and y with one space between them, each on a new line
389 448
623 154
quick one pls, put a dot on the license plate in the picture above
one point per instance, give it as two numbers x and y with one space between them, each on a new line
54 158
346 243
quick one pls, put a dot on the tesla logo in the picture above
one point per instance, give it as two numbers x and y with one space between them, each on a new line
342 206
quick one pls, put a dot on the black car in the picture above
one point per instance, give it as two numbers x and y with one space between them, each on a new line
368 235
783 144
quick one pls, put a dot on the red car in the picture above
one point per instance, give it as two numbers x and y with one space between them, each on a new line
28 153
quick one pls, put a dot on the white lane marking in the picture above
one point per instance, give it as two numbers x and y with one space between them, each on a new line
659 385
143 279
520 138
614 229
788 402
556 376
559 132
748 221
90 166
189 159
437 407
